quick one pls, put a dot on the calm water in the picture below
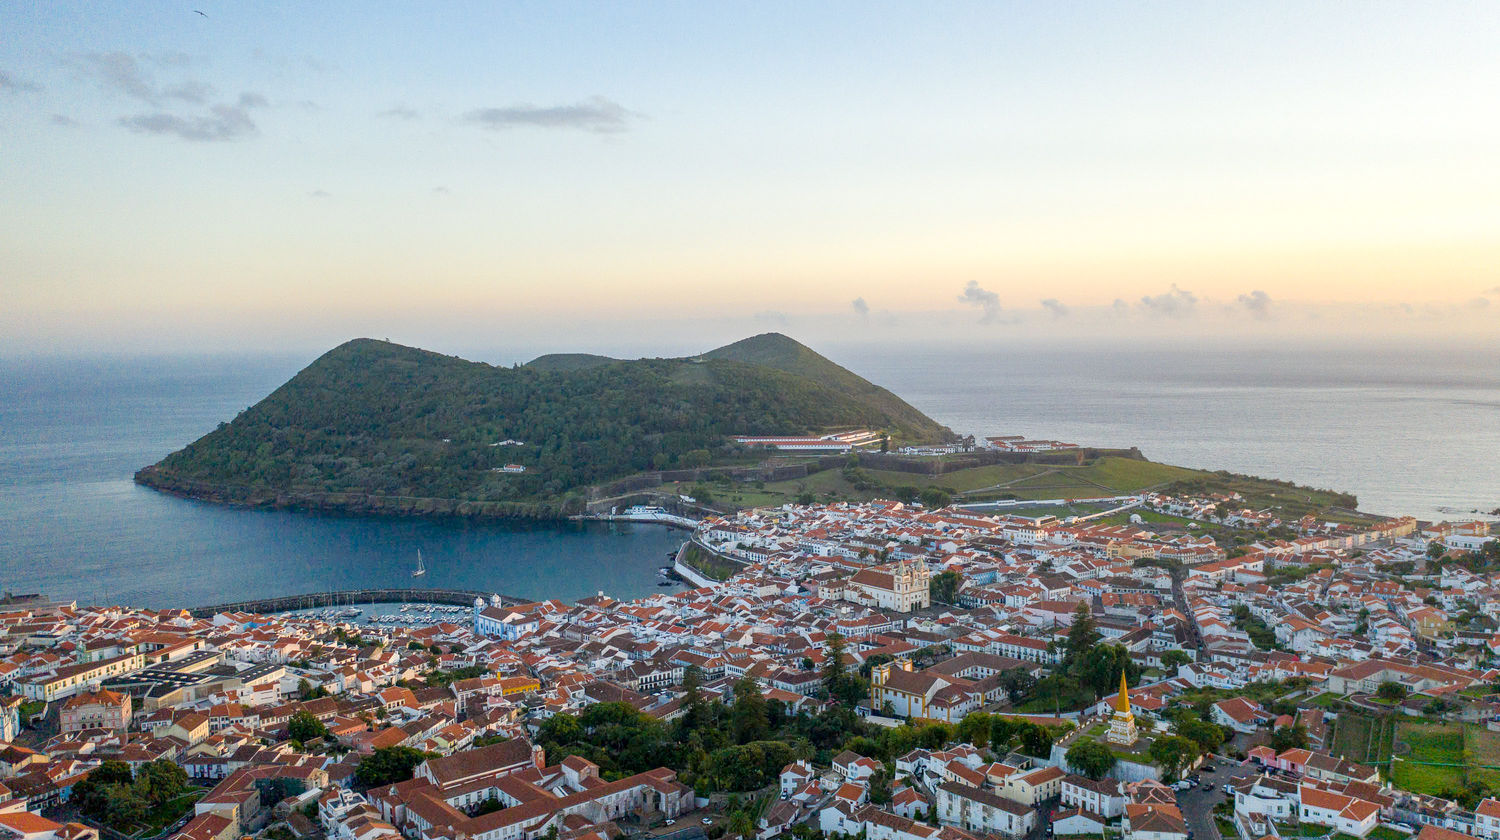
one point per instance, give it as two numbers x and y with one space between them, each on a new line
1410 431
73 524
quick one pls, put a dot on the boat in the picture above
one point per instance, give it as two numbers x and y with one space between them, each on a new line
421 569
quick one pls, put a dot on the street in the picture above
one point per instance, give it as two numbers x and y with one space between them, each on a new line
1197 805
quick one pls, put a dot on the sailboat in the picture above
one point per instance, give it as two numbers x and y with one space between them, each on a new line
421 569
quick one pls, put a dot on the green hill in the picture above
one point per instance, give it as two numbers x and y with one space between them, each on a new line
565 362
377 426
777 351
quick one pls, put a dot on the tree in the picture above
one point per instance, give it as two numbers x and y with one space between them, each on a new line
1036 740
933 497
1173 659
1003 732
126 806
1207 736
837 681
160 780
1289 737
1436 549
1017 682
488 806
692 695
749 718
389 765
91 794
1083 635
975 729
1393 691
1172 753
1101 666
943 587
1091 758
304 727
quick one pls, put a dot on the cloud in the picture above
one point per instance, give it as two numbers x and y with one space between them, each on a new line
1479 302
222 122
1174 303
400 112
987 301
861 308
250 99
10 84
191 91
1493 290
1120 307
320 194
63 120
122 73
1056 307
441 191
596 115
1257 303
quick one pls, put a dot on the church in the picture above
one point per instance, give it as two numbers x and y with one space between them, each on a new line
901 587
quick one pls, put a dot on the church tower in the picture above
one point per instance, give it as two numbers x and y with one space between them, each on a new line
1122 723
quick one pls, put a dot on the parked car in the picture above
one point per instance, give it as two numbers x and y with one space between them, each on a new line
706 821
670 822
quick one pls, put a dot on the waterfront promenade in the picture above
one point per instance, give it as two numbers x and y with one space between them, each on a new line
343 597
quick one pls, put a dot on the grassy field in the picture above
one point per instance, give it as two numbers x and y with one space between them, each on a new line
1439 743
1482 746
1326 700
1351 736
1265 493
1364 738
1108 476
1104 476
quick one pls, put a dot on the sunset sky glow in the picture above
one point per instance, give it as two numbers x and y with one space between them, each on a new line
293 174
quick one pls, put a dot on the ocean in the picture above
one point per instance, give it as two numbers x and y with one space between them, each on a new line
1412 430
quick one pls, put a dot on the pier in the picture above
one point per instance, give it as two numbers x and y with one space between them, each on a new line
344 597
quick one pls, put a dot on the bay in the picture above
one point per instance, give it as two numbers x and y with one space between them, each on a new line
1411 430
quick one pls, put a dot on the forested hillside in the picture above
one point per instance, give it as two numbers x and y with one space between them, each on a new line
374 418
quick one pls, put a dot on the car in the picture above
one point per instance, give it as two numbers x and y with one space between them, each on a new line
706 821
1209 787
1208 768
1229 789
670 822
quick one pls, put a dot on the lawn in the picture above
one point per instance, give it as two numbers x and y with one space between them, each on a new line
1351 736
1381 832
1437 743
1483 747
168 812
1326 700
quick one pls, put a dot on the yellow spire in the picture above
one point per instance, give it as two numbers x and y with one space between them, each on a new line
1122 703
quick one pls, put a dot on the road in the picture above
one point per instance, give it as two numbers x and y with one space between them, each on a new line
1197 805
1179 599
1044 818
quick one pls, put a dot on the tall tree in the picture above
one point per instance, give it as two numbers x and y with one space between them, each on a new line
1172 753
1083 634
749 717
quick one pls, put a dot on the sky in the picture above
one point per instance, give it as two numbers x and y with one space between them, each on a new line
203 175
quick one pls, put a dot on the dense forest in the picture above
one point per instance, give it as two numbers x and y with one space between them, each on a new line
379 419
